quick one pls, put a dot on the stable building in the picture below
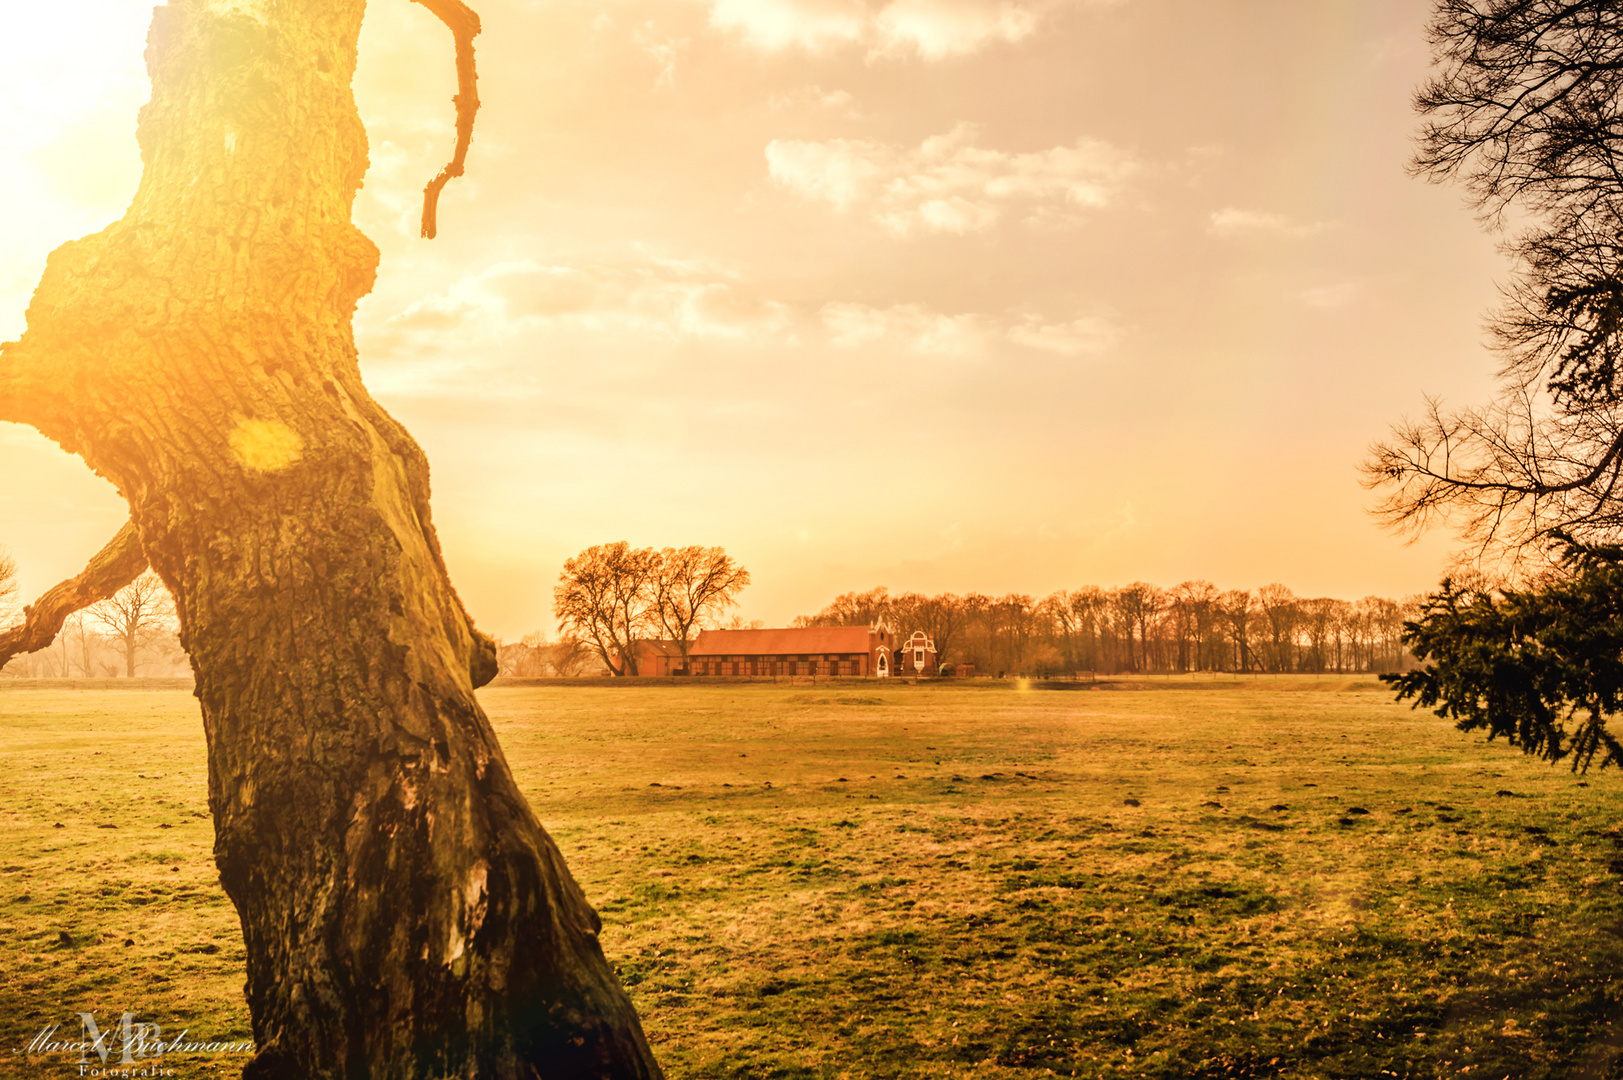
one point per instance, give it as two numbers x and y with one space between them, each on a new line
863 651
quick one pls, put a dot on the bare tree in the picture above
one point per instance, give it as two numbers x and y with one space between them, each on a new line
1318 623
1197 603
8 587
525 658
135 616
1279 611
404 913
1009 626
1137 605
693 584
1239 615
1088 608
1526 111
80 638
605 596
569 657
941 617
853 609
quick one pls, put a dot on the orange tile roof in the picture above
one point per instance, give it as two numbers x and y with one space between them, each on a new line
817 640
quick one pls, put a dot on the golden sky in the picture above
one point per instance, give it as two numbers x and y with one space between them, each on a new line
944 295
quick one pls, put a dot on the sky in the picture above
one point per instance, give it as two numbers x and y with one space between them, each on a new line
941 295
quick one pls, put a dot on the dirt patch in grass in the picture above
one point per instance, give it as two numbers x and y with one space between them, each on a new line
931 881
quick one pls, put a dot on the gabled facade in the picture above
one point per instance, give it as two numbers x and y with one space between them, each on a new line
916 656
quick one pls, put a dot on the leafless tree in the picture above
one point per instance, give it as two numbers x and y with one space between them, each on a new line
690 585
853 609
1197 600
1316 621
135 616
569 656
1087 607
8 587
1278 607
1526 112
523 659
604 596
79 637
1239 616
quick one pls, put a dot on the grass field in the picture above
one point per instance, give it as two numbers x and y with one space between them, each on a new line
1180 879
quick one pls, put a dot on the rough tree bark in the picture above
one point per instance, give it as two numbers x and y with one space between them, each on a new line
404 913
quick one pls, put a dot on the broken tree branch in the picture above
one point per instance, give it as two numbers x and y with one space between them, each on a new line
108 571
463 22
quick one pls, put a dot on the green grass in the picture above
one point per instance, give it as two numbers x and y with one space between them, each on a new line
866 880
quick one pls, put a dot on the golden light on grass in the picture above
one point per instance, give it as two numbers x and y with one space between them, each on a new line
925 880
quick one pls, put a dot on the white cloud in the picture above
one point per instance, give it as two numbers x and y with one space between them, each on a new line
662 49
814 97
931 29
839 172
689 300
1089 335
775 25
659 297
947 184
1231 222
919 329
937 29
955 215
913 327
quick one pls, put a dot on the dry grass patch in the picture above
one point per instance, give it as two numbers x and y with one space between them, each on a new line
1266 878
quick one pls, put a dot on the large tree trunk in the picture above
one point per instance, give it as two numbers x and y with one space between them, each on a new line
405 914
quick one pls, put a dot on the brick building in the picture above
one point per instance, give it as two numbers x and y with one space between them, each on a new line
916 657
811 650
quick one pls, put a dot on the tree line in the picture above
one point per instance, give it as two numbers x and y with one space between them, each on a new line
1141 628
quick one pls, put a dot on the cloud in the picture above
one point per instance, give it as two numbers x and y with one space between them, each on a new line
1083 336
840 172
1231 222
930 29
775 25
937 29
919 329
688 300
663 50
666 298
946 184
913 327
814 97
476 320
